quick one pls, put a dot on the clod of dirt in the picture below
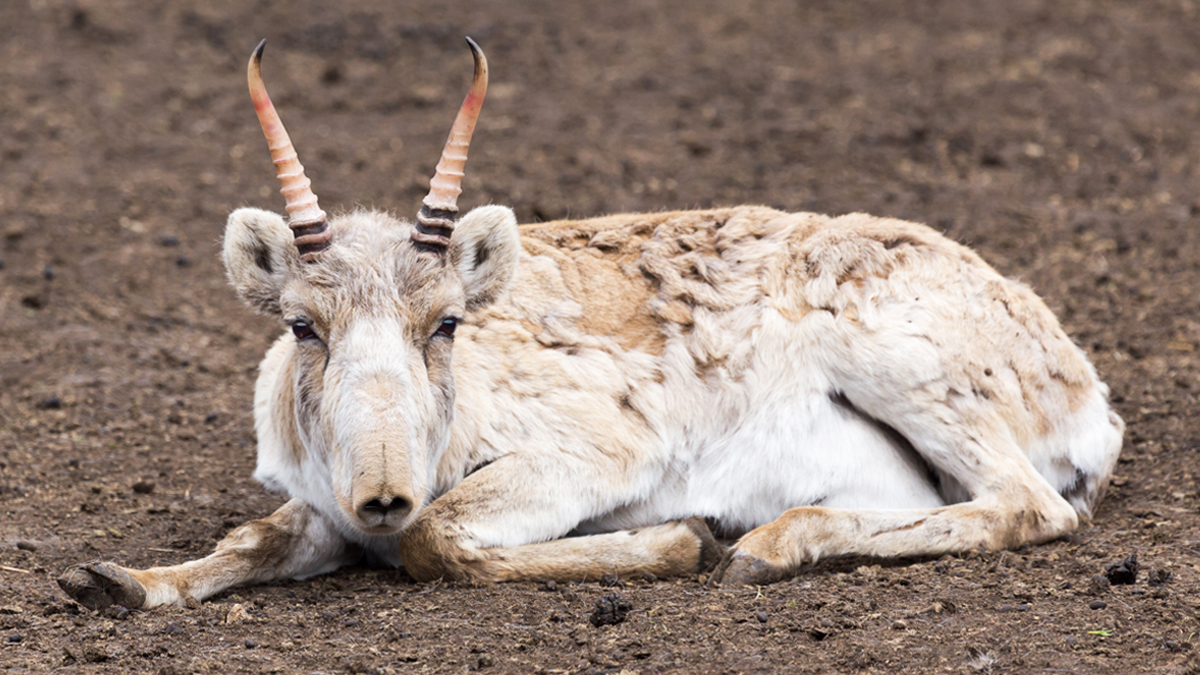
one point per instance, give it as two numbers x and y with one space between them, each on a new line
143 487
1157 578
94 652
611 609
552 585
116 612
1124 572
236 614
1099 584
27 546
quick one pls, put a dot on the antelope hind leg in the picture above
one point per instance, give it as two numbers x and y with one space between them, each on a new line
804 535
293 542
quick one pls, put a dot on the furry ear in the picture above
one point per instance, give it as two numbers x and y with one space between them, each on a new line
484 249
258 254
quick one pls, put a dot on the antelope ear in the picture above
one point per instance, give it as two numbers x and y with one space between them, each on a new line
484 249
258 252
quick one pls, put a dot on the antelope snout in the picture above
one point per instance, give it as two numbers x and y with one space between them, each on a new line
383 510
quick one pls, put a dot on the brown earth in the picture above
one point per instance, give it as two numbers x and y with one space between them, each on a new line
1055 137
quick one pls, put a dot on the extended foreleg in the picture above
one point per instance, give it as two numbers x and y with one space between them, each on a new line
293 542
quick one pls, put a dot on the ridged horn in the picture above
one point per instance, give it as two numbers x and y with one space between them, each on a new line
306 219
435 220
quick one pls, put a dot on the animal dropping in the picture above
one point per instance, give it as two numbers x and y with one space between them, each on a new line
458 394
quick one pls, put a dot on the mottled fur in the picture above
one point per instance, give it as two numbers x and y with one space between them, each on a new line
819 386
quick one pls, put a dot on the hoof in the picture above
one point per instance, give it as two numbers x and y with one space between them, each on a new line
738 568
711 551
100 585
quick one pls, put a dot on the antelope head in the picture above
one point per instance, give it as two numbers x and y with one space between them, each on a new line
366 394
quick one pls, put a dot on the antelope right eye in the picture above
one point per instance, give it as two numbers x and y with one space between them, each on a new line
302 330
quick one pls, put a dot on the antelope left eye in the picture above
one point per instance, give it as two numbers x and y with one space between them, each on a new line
302 330
447 327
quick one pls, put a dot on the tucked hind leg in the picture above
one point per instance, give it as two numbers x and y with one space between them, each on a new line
293 542
1010 504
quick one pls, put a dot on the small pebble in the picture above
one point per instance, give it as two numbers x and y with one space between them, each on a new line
761 616
649 578
48 272
486 661
210 418
143 487
168 240
15 637
1136 591
250 643
552 585
1098 604
27 546
182 261
51 403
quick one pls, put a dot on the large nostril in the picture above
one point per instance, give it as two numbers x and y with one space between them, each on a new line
384 506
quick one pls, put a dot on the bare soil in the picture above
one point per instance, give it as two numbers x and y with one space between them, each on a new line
1056 137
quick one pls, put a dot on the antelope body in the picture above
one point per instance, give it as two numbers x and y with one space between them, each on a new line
459 397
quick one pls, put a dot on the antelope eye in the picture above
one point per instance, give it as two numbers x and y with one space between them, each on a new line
302 330
446 329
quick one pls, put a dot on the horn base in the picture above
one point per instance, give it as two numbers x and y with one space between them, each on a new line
432 231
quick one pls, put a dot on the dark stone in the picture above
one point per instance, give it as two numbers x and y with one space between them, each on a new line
51 403
1097 604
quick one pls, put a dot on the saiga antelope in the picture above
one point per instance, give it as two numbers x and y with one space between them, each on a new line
460 395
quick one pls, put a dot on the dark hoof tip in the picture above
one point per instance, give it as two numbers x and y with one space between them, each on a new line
100 585
742 569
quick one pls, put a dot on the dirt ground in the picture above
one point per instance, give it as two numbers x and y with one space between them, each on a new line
1058 138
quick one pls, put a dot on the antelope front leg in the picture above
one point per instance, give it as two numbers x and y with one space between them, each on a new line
498 525
293 542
